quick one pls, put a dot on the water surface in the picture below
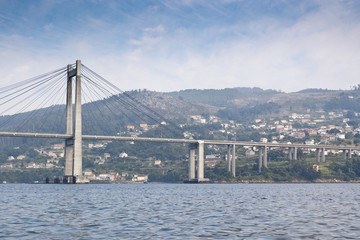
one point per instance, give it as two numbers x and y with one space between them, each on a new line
180 211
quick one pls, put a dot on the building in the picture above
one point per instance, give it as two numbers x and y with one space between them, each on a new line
140 178
21 157
57 146
249 153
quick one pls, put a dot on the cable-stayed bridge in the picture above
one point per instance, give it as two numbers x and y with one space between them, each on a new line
65 95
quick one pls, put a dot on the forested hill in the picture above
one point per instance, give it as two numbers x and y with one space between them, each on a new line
245 104
224 97
109 115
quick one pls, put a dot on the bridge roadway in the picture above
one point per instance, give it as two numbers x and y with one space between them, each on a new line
174 140
198 146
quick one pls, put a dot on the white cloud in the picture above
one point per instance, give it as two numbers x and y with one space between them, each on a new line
320 49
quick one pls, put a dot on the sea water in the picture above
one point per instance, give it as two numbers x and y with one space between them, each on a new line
180 211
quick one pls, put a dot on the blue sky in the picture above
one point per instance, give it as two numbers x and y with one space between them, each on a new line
170 45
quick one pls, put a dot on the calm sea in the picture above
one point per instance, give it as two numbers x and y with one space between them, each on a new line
180 211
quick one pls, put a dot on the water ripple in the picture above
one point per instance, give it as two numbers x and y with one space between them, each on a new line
178 211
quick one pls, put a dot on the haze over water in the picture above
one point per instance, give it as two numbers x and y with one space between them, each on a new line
180 211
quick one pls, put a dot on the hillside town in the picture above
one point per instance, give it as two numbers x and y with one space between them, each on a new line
310 128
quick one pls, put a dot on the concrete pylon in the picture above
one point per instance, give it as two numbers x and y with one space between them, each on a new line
193 147
265 156
199 146
317 153
233 165
69 143
323 155
260 158
200 175
73 146
78 123
344 153
350 153
229 158
295 153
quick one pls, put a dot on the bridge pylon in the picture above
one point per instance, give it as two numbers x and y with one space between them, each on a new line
73 145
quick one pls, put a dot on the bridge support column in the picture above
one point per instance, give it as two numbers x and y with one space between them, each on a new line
265 156
295 153
317 154
233 162
69 143
201 161
290 153
323 155
73 146
193 147
350 153
78 128
260 158
344 154
229 158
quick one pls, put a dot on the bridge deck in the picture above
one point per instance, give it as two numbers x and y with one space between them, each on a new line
172 140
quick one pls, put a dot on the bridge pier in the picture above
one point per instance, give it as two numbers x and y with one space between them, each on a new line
262 158
317 153
229 158
293 153
233 165
347 153
323 155
199 146
265 157
192 153
200 169
69 143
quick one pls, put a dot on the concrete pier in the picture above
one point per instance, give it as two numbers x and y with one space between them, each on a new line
292 153
78 123
193 147
265 157
201 160
233 165
229 158
260 159
199 146
69 143
323 155
317 153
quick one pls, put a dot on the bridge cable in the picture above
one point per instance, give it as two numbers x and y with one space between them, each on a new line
138 102
27 105
101 88
106 101
41 106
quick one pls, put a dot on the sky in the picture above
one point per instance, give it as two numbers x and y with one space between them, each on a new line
171 45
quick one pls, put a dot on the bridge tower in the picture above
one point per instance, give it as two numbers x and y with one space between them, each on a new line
73 145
